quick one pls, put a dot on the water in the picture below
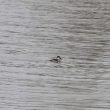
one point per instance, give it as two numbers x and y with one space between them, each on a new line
34 31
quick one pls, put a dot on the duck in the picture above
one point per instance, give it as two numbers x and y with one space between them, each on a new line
56 59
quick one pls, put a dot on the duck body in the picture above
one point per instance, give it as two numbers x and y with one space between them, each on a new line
56 60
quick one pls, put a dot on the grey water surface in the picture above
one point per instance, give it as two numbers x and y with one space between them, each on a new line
34 31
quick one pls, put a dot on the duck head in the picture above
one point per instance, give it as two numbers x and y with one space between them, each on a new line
58 57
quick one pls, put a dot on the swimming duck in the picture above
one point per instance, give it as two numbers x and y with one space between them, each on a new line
56 60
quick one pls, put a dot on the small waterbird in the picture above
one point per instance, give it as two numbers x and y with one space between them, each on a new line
56 59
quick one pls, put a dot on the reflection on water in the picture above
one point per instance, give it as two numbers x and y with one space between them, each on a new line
32 32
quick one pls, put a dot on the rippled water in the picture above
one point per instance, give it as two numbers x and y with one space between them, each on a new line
34 31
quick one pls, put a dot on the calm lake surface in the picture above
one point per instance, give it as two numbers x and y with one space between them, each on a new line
34 31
